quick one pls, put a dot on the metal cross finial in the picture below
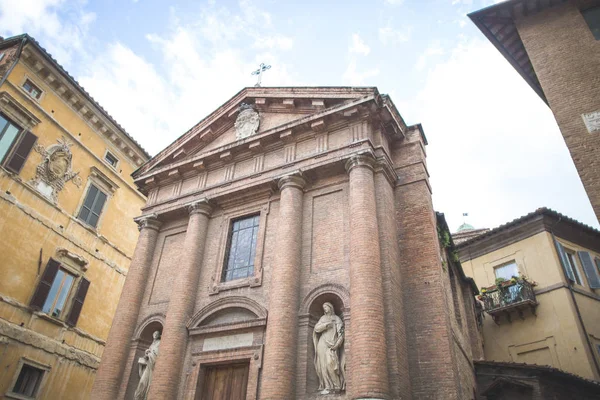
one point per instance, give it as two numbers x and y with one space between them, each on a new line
261 68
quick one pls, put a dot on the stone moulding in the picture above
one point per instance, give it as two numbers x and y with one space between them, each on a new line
77 259
55 171
224 303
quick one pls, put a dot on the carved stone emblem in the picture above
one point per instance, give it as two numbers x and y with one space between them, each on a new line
247 121
592 121
55 169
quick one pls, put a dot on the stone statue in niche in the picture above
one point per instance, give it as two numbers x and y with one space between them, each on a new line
330 360
247 122
146 367
55 169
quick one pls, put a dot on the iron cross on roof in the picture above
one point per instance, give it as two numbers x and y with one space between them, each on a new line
261 68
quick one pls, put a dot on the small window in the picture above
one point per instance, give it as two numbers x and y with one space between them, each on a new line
28 381
241 248
592 17
92 206
597 261
111 159
8 134
507 271
59 292
32 89
572 265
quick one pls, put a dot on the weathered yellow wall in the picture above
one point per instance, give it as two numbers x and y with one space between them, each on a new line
553 336
32 228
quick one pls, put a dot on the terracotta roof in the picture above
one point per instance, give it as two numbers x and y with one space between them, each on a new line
544 369
15 39
540 211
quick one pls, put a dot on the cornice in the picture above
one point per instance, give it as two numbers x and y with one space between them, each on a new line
75 99
74 138
286 129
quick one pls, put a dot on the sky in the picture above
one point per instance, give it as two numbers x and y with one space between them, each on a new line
158 67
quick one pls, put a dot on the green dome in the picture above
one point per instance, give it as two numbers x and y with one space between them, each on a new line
465 227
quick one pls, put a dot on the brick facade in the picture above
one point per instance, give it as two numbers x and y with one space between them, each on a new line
340 187
553 48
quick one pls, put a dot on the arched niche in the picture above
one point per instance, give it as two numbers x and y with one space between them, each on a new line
228 313
142 339
311 310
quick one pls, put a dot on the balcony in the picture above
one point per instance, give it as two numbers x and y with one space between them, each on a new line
506 297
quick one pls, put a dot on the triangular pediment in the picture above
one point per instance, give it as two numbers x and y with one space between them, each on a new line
276 107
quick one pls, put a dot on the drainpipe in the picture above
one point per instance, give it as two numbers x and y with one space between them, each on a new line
18 54
570 286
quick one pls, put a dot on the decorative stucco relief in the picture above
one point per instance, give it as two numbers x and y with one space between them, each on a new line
247 121
55 171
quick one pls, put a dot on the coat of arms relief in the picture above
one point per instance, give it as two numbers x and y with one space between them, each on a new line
55 171
247 121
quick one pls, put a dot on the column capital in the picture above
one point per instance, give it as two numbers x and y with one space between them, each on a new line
148 222
366 160
200 207
294 180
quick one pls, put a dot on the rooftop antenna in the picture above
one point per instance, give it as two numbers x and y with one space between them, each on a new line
261 68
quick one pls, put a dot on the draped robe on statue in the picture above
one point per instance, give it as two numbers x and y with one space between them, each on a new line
149 360
328 337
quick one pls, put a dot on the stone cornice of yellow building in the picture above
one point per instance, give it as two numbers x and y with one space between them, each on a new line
50 225
69 90
35 339
73 137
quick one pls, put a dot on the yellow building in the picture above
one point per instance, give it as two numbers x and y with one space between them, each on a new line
547 310
67 203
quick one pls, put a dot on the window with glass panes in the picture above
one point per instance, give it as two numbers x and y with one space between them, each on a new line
573 265
28 381
92 206
241 248
33 90
8 134
507 271
59 292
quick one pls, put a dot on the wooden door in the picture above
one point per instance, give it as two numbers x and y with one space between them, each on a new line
225 382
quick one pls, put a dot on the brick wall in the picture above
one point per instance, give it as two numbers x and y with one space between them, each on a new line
566 59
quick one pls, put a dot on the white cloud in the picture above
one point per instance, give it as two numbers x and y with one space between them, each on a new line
355 78
394 2
389 35
202 64
358 46
434 49
494 147
62 34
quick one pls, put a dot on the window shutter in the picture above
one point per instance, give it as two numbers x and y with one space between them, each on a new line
78 302
41 292
589 269
563 260
16 161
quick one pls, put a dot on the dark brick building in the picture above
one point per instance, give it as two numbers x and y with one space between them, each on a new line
555 46
279 202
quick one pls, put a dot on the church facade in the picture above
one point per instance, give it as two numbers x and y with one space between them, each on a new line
289 250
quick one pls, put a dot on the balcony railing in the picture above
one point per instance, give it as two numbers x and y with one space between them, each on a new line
509 296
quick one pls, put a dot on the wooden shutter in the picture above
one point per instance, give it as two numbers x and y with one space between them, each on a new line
563 260
17 159
82 290
43 288
590 269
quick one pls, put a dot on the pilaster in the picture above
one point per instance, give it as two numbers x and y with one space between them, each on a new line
167 373
279 371
114 357
368 358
